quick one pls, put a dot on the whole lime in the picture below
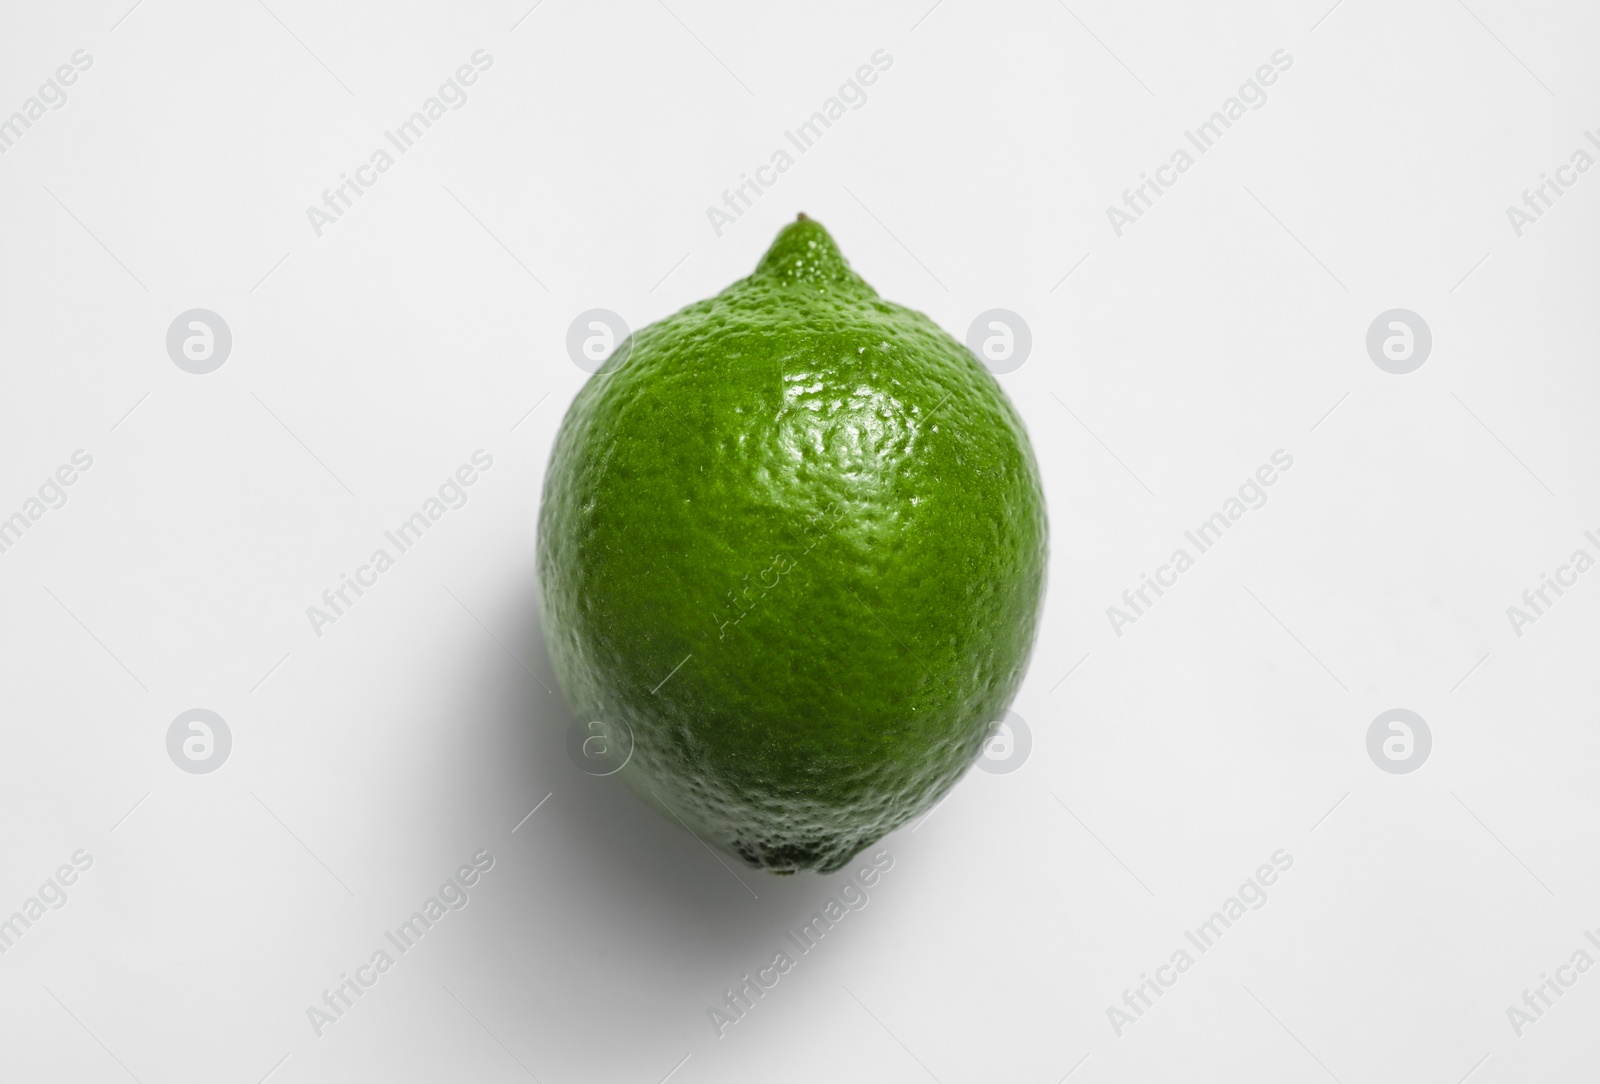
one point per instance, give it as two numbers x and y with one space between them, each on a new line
791 555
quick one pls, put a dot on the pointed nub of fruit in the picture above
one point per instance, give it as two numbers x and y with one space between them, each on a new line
804 255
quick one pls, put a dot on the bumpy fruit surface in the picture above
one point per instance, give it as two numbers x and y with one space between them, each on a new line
792 555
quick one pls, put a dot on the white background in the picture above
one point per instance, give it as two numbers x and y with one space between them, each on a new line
1230 721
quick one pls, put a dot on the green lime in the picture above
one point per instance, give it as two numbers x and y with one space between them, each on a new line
794 541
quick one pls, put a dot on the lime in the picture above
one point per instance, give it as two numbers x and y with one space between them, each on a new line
793 543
